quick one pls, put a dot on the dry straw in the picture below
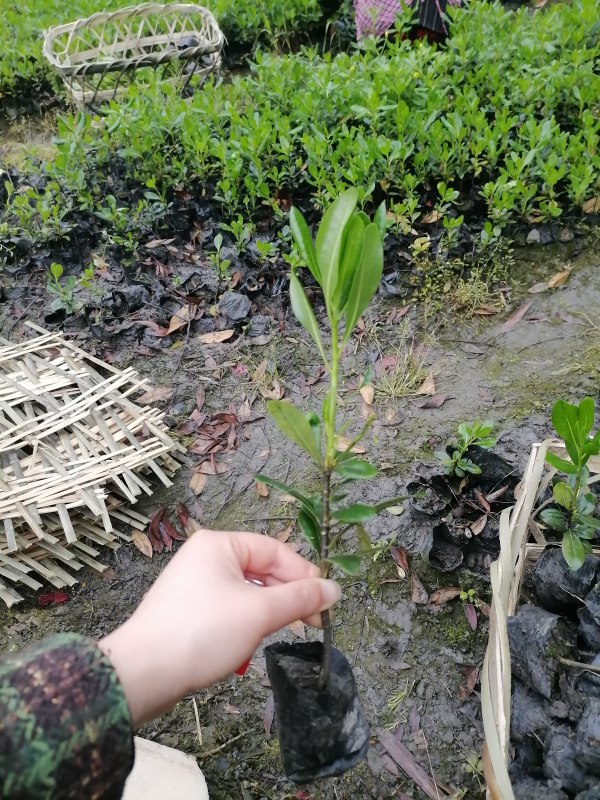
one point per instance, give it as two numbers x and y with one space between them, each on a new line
75 452
98 57
507 573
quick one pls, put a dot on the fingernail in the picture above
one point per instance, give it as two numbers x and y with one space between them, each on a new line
332 591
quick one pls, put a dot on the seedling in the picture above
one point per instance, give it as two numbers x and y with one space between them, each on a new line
477 434
346 260
575 503
220 264
61 289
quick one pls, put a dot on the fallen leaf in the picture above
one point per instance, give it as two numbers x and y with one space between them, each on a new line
591 206
198 483
158 243
200 397
268 714
443 595
188 523
484 608
302 795
107 574
156 329
482 501
407 763
229 709
297 628
471 673
497 494
401 560
215 337
341 443
142 542
486 311
154 532
479 524
262 490
395 511
213 467
156 395
417 591
435 401
276 393
428 386
516 316
559 279
52 599
428 219
471 615
284 535
181 318
367 394
537 288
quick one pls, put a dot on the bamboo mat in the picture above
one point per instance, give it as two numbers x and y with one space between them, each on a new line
75 453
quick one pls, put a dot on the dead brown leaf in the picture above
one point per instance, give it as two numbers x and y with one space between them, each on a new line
188 523
368 394
262 490
298 629
471 673
341 443
559 279
181 318
152 245
497 494
275 393
156 329
430 218
428 386
444 595
156 395
213 467
471 615
591 206
486 311
537 288
215 337
516 316
142 542
200 397
479 524
435 401
198 483
229 709
284 535
417 591
482 501
269 713
401 560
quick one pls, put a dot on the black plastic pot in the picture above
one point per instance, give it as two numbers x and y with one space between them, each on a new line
322 733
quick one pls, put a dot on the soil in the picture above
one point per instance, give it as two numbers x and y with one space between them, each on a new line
411 660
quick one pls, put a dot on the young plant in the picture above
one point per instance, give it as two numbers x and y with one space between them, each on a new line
475 435
220 264
575 503
63 291
346 260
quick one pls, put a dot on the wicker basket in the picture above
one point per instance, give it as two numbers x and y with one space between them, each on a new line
100 56
507 575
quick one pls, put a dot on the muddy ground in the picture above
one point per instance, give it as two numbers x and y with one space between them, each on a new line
410 662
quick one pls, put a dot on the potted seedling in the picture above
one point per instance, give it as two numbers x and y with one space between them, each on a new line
322 730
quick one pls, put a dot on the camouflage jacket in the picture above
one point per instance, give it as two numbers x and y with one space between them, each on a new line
65 727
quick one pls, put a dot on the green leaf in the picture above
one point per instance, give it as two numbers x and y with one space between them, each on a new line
350 564
585 414
311 530
566 423
563 494
486 443
591 448
366 279
56 270
554 518
470 466
305 502
292 422
588 522
329 241
380 219
304 242
355 468
573 550
355 513
364 540
351 253
394 501
561 464
304 313
586 503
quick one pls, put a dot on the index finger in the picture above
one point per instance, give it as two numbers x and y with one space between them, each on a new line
263 558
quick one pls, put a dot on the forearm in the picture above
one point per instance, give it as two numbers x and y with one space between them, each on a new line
65 727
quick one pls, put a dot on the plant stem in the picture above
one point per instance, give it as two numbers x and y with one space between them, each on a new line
326 518
326 615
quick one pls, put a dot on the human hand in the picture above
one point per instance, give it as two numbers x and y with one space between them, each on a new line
201 619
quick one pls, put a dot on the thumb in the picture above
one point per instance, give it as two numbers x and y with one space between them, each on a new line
289 602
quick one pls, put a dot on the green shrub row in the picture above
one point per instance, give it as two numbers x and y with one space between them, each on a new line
504 124
23 70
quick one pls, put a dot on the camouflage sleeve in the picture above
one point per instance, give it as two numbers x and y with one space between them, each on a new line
65 727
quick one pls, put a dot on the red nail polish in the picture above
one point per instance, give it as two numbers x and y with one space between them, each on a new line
241 671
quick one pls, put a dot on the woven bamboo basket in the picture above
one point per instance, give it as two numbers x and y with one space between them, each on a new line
100 56
517 524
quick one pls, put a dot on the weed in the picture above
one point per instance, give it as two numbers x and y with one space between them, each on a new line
455 459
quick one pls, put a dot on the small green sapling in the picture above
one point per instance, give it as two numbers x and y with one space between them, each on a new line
575 503
477 434
346 260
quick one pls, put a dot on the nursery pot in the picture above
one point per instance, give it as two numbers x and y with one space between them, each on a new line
322 732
